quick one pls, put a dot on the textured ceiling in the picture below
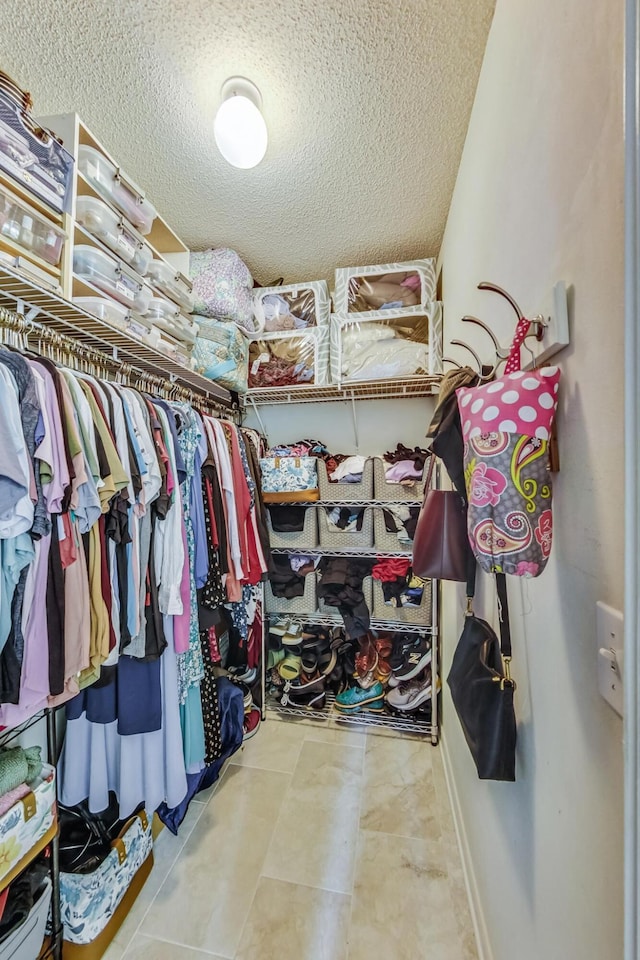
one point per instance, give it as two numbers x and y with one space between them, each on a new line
366 102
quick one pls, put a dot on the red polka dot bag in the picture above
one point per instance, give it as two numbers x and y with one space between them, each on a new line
506 427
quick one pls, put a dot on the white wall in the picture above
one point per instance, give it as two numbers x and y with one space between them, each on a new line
539 197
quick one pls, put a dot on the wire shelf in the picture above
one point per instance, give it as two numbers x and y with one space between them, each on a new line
47 307
369 390
389 626
410 723
355 504
346 552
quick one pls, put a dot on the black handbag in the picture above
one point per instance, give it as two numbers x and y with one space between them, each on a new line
482 689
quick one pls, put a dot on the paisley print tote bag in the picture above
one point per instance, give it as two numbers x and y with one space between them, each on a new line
506 427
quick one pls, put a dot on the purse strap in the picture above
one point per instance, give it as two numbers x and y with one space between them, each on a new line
514 362
432 463
503 608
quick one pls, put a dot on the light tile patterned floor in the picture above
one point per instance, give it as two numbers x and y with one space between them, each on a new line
318 844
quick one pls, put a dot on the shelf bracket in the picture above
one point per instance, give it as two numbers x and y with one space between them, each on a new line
354 415
258 417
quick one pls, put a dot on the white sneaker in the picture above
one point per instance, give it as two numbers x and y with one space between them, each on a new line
409 696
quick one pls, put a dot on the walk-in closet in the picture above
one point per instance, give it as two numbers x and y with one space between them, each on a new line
317 565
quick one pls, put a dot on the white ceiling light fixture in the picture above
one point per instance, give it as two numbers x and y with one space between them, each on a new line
239 127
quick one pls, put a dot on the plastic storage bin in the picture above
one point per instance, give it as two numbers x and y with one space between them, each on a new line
346 540
394 492
174 349
166 316
171 282
116 315
305 538
393 286
29 230
277 360
346 492
112 277
111 184
306 604
293 307
383 540
33 157
105 224
420 616
26 940
328 611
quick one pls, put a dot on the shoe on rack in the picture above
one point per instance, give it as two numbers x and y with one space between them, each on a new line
402 644
251 724
274 657
415 661
357 698
367 655
411 694
306 692
249 675
290 667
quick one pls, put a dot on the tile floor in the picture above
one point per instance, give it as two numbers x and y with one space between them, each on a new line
317 844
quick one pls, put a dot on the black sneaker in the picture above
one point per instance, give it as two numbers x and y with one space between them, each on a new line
416 659
402 644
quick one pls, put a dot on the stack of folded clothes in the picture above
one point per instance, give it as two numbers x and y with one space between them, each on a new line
404 465
347 469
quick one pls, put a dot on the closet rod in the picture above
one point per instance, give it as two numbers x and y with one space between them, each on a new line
16 329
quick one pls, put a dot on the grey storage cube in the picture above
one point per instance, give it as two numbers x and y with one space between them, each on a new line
420 616
306 604
346 492
328 611
26 941
384 541
300 539
394 492
334 539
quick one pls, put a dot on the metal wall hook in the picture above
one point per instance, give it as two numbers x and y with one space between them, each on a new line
479 365
485 285
500 352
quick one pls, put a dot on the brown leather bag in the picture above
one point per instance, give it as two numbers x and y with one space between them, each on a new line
440 544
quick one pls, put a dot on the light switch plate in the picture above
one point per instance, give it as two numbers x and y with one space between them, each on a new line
610 631
556 332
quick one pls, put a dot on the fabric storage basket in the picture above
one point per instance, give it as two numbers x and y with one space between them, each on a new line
391 286
287 479
28 820
280 360
335 539
305 538
346 492
110 182
306 604
221 353
112 277
385 541
26 940
172 283
112 229
420 615
386 347
33 157
88 901
24 230
394 492
293 307
328 611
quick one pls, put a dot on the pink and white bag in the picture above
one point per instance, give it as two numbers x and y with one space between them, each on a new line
506 427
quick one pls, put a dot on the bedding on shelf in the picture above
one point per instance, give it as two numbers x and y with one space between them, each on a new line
277 360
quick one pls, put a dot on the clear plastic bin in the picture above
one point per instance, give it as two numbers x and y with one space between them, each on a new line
117 315
26 228
110 184
171 282
105 224
396 346
180 352
293 307
112 277
387 286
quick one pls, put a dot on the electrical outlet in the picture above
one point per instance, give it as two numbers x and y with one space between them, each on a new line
556 331
610 631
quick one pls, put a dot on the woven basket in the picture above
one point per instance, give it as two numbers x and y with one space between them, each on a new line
306 604
415 615
307 537
328 611
345 539
394 492
346 492
384 541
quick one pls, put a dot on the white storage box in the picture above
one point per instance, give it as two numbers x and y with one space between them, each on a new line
395 346
112 277
293 307
27 821
180 352
113 230
392 286
277 360
333 538
166 316
172 283
116 315
116 189
28 230
346 492
306 604
25 942
303 539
